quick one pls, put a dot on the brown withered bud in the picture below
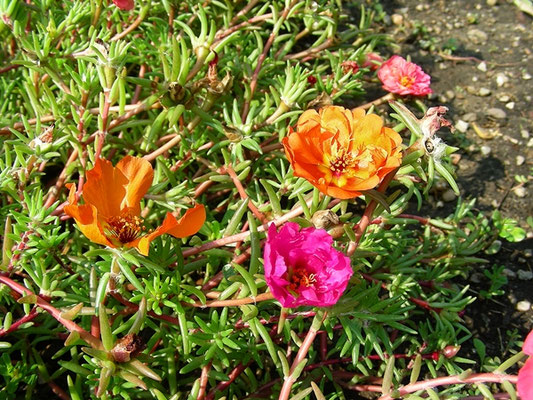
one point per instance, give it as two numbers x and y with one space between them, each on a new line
450 351
348 66
324 219
127 348
48 135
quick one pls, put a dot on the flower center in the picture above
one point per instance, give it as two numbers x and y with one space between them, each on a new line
125 227
339 164
300 277
407 81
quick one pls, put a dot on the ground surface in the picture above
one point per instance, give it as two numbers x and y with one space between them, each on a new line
486 81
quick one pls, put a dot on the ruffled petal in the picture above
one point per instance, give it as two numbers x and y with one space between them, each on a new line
188 225
86 217
140 175
105 188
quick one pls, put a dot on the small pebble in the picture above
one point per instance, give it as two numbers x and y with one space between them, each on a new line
501 79
520 160
526 76
492 3
496 113
510 105
450 94
455 158
528 253
504 98
485 150
509 273
469 117
530 143
461 126
520 192
523 306
482 66
477 36
448 195
524 275
524 134
397 19
483 92
476 277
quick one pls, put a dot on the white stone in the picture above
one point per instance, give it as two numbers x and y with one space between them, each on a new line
524 275
448 195
509 273
526 76
510 105
523 306
520 192
482 66
520 160
524 134
483 92
504 98
501 79
485 150
461 126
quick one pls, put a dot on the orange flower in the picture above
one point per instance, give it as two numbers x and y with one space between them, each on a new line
342 152
111 213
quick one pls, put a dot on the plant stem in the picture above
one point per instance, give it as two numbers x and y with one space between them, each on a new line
360 228
450 380
54 312
302 354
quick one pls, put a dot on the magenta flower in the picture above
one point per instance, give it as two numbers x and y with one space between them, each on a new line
302 268
125 5
525 375
402 77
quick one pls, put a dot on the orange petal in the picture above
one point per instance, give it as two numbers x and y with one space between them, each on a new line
86 217
188 225
105 188
140 175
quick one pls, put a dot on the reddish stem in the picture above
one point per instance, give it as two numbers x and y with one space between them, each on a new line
15 325
223 385
450 380
54 312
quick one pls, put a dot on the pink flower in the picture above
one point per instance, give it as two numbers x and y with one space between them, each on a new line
525 375
402 77
302 268
125 5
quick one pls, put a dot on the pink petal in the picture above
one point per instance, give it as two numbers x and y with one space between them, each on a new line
124 5
525 380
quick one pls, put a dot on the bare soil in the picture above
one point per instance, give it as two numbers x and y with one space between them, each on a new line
480 57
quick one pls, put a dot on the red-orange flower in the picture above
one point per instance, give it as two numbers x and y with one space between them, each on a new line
342 152
111 213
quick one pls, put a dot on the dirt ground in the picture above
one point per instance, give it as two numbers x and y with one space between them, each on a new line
480 57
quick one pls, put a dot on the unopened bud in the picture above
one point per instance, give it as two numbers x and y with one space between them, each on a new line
450 351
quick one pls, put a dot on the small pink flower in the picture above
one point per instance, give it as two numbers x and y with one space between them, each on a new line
525 375
402 77
372 61
125 5
302 268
